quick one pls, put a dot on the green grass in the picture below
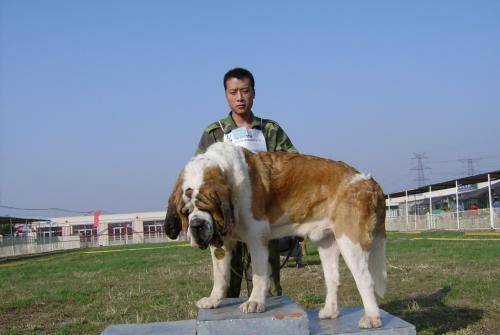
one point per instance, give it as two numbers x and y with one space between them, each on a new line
441 286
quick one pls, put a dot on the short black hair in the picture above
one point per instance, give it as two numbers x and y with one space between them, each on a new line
239 73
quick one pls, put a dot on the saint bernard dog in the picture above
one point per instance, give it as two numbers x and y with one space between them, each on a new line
231 194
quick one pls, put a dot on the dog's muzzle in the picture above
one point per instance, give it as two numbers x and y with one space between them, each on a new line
201 231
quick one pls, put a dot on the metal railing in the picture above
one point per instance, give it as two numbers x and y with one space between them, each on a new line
467 220
32 243
25 245
155 237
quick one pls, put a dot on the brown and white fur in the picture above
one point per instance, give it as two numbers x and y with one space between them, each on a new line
229 194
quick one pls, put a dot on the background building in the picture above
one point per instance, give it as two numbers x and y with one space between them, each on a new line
27 235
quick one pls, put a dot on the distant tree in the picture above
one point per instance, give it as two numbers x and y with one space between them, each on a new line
5 229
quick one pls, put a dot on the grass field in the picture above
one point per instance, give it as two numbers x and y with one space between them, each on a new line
444 283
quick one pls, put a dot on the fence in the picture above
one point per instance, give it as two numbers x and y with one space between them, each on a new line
44 238
467 220
39 239
25 245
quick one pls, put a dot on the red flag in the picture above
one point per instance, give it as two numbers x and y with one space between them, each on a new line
96 218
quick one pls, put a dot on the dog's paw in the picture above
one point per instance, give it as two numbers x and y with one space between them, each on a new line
328 313
252 307
208 302
370 322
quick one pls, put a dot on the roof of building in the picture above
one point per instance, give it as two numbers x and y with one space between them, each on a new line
482 177
18 220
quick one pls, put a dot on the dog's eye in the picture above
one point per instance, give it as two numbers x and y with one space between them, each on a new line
186 210
189 192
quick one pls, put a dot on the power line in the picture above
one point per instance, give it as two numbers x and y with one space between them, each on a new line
482 157
48 209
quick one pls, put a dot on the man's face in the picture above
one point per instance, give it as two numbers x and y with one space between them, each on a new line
239 95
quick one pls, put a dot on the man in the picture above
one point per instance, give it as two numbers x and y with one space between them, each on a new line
243 128
496 204
291 249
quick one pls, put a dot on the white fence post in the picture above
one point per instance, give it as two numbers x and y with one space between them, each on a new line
456 195
415 209
389 205
12 238
406 207
492 217
430 206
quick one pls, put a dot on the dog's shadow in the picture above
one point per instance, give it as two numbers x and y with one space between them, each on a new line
428 312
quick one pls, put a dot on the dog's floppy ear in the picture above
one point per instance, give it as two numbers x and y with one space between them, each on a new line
227 210
217 201
175 220
225 204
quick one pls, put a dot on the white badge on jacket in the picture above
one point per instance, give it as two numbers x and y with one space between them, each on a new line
251 139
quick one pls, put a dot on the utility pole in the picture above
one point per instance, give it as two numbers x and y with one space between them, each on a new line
421 179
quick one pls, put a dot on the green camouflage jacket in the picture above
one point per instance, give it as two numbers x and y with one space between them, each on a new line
276 138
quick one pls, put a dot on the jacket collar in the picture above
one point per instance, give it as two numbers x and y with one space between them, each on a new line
228 123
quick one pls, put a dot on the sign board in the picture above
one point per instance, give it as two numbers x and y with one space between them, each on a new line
467 188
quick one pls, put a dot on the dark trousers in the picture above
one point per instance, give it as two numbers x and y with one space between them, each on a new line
241 267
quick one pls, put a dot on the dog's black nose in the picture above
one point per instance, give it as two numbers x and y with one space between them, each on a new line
200 230
197 223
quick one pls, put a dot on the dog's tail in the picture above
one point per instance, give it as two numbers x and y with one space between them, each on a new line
378 266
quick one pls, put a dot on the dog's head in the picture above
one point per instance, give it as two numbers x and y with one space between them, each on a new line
201 205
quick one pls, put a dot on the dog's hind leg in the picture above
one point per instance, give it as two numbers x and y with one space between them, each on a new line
329 255
357 261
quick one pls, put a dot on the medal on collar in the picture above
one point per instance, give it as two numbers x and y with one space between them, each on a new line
219 253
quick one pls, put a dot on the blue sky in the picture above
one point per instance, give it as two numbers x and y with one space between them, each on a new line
103 102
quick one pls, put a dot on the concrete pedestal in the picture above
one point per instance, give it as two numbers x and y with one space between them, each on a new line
347 323
282 316
138 229
157 328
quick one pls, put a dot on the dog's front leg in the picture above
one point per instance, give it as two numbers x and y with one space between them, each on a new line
259 254
221 268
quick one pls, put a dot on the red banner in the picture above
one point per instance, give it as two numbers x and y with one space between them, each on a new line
96 218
